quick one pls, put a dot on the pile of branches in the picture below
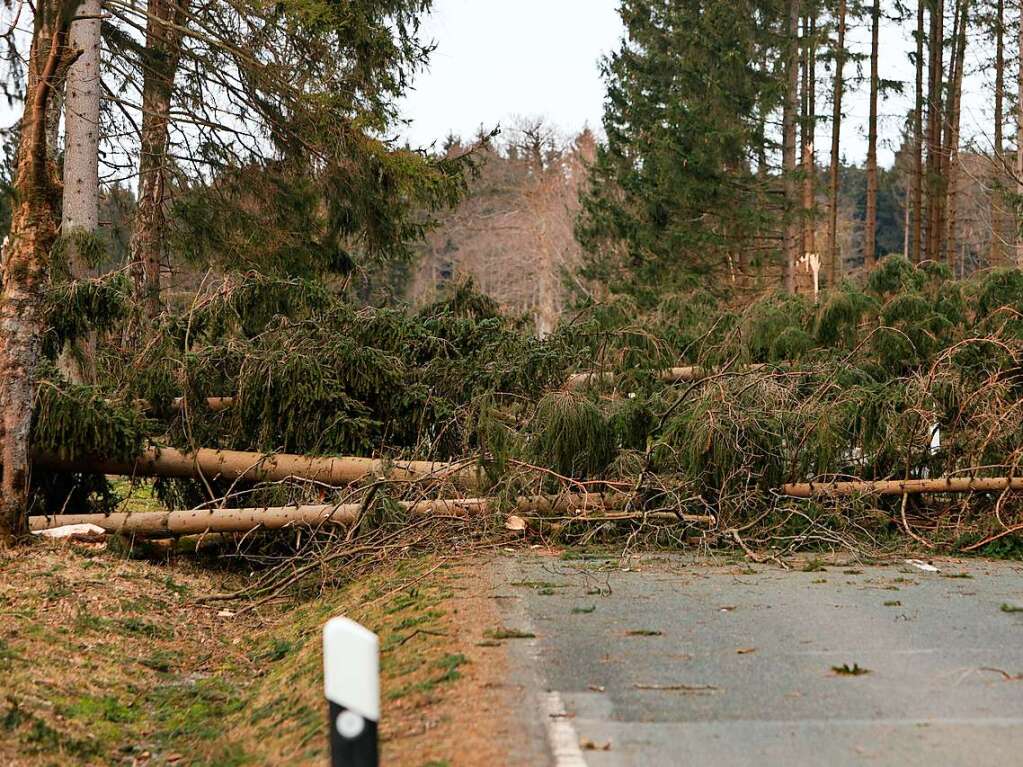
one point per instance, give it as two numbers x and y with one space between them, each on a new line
909 375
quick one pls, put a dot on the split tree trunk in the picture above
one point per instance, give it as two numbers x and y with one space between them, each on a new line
793 227
163 52
835 263
870 230
25 263
80 212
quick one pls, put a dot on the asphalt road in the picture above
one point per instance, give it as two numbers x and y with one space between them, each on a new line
675 662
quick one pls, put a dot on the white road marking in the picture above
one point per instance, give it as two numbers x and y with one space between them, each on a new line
561 734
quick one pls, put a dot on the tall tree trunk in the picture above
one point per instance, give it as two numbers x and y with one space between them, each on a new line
870 230
80 212
835 263
1019 144
809 126
934 125
905 225
793 228
952 132
163 49
24 266
997 253
918 132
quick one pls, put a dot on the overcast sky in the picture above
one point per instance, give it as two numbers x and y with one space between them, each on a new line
496 60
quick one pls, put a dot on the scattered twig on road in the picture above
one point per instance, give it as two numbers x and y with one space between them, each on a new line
689 688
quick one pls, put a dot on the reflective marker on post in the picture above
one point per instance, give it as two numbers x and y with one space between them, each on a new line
351 682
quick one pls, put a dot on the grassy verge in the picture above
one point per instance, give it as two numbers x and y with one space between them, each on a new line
109 660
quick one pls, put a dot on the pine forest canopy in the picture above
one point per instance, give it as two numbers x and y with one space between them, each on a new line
725 143
208 201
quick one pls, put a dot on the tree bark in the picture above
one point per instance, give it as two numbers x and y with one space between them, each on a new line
835 263
870 229
25 261
163 46
918 116
80 211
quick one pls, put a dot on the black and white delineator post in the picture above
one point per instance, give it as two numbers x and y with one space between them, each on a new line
351 682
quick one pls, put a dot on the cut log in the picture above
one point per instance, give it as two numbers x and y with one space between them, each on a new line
904 486
257 467
581 507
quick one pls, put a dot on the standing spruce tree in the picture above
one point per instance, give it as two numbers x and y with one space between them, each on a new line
793 227
839 52
917 186
273 122
673 196
870 228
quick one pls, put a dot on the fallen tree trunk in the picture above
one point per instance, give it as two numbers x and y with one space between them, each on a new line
904 486
580 507
257 467
216 404
150 523
671 375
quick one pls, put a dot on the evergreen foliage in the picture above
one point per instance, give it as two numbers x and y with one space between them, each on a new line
851 388
672 193
571 435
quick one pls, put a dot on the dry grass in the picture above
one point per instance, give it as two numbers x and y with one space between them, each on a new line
110 660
